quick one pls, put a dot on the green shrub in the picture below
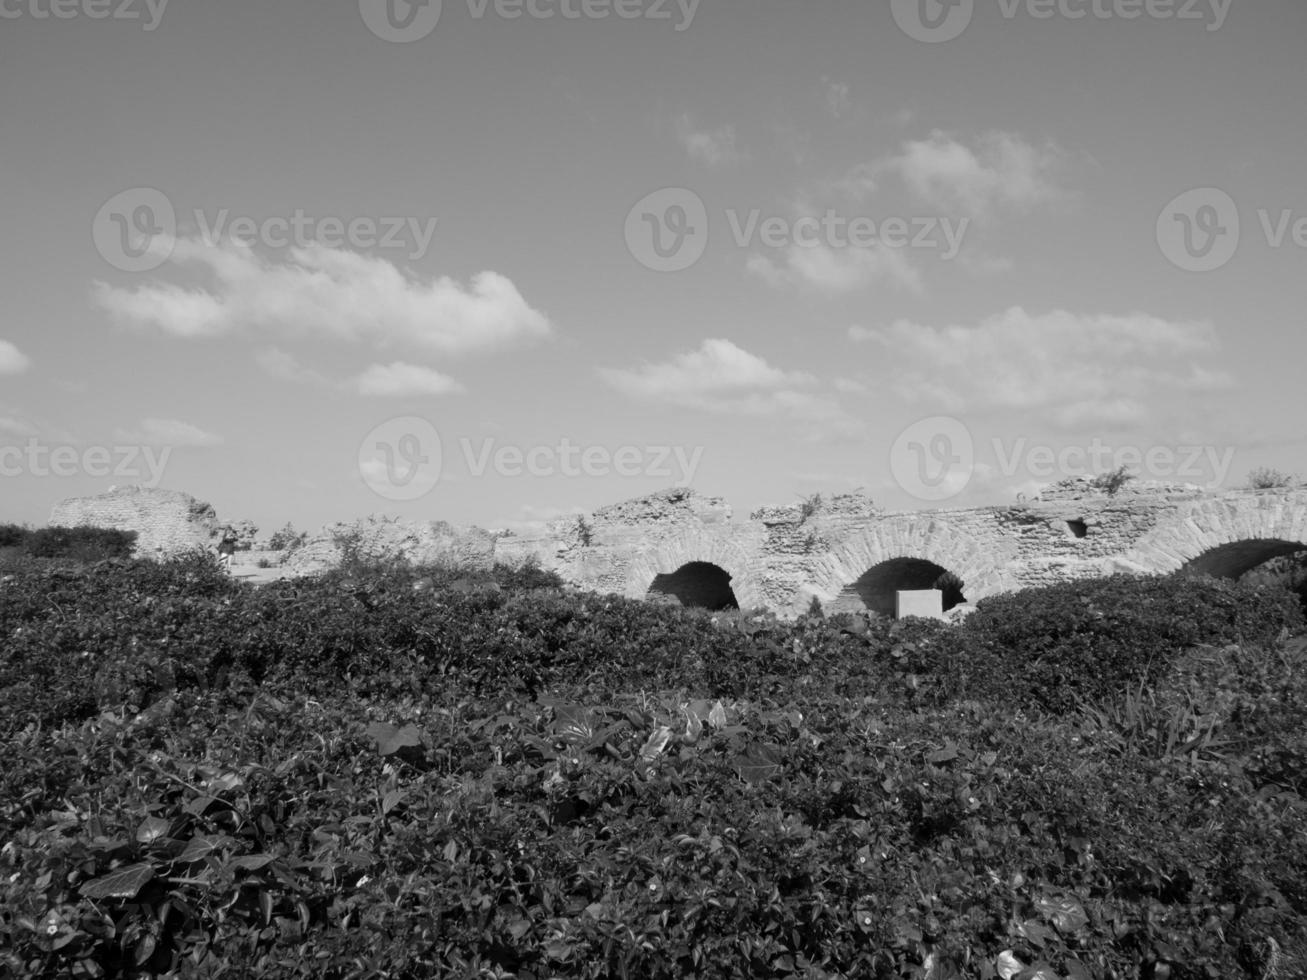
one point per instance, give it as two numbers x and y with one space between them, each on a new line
448 774
1113 481
287 539
1058 645
83 544
13 536
1265 478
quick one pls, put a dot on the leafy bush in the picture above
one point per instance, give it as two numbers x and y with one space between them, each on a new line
13 536
80 543
441 773
1093 639
287 539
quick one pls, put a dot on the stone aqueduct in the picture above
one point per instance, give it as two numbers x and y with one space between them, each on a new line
843 551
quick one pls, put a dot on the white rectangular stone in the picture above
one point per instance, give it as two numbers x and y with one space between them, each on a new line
926 603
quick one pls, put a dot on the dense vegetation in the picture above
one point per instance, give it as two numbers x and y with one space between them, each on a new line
80 544
423 773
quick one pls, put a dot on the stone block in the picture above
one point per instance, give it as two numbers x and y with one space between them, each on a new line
926 603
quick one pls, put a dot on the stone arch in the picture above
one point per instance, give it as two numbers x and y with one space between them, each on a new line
903 546
877 588
694 548
1226 536
699 584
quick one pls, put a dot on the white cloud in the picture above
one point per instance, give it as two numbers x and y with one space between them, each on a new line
721 377
714 147
858 184
286 367
168 432
321 292
1002 169
12 360
1078 371
400 380
836 270
718 367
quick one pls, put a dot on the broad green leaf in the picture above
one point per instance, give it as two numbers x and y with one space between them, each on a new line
947 754
1008 965
390 739
758 762
224 782
199 848
251 862
1065 913
197 806
573 721
656 744
699 709
123 883
152 829
144 949
1038 933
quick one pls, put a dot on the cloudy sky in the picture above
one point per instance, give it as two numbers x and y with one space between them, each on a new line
492 261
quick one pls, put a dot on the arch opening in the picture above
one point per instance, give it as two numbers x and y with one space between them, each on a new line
699 584
1239 557
877 589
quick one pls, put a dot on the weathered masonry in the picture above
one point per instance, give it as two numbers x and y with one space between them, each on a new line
681 546
849 554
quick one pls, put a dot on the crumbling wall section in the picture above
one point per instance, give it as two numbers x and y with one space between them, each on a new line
166 522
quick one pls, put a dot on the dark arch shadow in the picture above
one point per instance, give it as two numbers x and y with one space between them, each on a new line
876 590
1239 557
699 584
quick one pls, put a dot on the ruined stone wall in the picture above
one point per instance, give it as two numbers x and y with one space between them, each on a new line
782 558
167 522
381 538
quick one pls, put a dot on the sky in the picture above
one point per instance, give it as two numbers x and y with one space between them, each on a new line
497 262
